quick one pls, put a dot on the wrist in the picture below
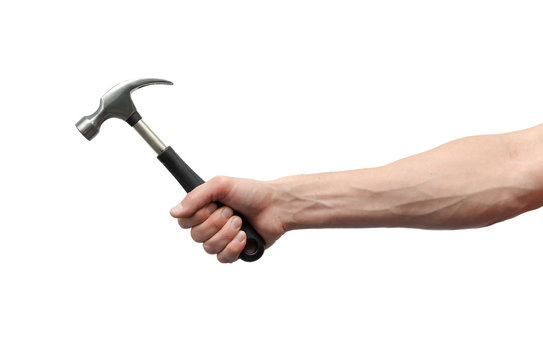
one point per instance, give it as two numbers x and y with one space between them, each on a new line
286 200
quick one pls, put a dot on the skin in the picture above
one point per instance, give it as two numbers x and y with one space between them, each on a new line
467 183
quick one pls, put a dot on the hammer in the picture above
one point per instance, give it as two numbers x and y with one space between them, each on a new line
117 103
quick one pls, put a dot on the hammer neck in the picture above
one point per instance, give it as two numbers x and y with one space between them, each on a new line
149 136
134 118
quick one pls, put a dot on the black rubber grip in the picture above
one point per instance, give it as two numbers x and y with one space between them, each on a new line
254 248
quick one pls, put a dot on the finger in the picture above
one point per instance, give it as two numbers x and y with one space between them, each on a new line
177 211
219 241
232 250
213 190
212 225
199 217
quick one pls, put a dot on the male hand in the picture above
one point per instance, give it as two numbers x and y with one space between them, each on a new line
217 228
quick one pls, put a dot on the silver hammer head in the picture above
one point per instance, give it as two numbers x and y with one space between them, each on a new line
117 103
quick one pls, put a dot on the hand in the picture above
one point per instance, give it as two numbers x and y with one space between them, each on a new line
217 228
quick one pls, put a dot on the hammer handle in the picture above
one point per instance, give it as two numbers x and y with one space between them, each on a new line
188 179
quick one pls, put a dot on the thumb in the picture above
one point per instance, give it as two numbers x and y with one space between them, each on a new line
216 189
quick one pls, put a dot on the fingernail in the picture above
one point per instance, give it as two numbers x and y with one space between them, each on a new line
227 213
236 223
176 209
240 237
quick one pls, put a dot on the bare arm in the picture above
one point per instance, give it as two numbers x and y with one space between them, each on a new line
470 182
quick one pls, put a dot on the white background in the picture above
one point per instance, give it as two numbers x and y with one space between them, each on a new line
93 267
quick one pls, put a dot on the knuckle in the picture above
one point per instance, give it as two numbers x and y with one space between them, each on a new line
224 259
188 198
219 179
196 235
183 223
221 183
209 248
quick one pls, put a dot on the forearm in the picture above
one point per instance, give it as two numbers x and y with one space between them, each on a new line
471 182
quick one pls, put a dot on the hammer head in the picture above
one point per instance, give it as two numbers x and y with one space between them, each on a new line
117 103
